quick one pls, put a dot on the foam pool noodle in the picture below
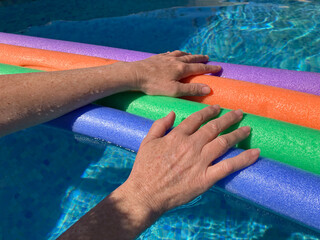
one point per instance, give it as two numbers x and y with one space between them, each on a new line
292 144
282 104
282 189
269 76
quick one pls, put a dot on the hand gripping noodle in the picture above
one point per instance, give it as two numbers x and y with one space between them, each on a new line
288 143
282 104
274 77
282 189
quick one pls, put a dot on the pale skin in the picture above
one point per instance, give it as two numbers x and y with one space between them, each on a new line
169 170
34 98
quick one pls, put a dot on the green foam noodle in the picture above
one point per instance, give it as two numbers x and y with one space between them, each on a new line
288 143
10 69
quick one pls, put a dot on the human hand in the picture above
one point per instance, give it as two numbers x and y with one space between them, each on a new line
168 171
173 169
160 74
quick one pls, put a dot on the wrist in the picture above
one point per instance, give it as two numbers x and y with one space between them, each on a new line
120 74
129 75
136 70
142 202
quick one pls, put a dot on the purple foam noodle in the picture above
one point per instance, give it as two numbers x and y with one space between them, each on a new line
308 82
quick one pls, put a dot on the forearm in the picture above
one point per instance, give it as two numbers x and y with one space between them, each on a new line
33 98
121 215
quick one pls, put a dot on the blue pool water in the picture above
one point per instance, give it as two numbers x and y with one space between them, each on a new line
48 179
276 34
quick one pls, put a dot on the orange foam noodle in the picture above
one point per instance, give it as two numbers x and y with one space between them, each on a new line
272 102
47 60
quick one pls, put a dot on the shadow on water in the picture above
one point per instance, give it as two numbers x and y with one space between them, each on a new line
37 167
49 180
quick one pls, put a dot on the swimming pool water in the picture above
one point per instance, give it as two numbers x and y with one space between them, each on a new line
48 179
276 34
49 184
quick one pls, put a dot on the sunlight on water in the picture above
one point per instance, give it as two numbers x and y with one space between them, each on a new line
268 35
45 193
191 221
210 216
277 35
58 191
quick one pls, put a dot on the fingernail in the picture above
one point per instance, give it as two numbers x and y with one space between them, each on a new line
217 67
239 112
216 107
255 153
246 129
170 113
205 90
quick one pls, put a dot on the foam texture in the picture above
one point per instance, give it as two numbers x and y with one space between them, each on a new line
283 189
278 187
47 60
282 104
10 69
272 102
292 144
274 77
288 143
118 127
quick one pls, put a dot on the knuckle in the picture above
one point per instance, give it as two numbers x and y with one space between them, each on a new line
181 67
194 89
227 167
239 134
230 117
204 67
171 60
198 117
175 90
215 126
223 142
172 136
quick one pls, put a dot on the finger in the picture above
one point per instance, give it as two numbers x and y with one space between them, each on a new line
194 58
191 89
213 128
231 165
223 143
200 68
195 120
178 53
166 53
160 127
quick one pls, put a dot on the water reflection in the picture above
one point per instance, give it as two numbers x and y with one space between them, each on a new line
278 35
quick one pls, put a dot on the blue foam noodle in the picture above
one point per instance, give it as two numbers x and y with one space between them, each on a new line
111 125
283 189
